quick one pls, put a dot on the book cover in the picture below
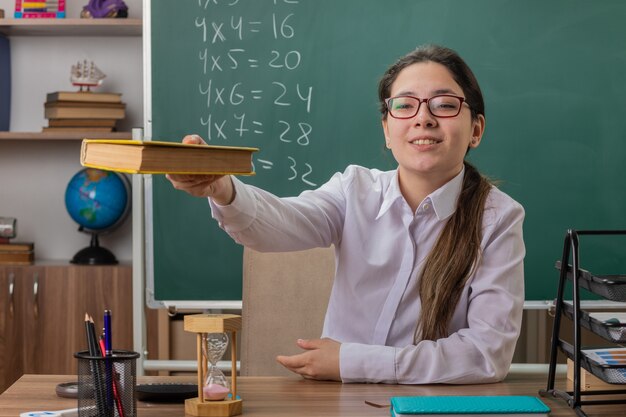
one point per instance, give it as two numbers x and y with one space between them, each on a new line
466 406
83 105
84 96
17 247
56 111
607 356
17 258
77 129
5 83
156 157
82 122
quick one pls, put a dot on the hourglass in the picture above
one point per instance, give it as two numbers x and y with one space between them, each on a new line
215 397
213 347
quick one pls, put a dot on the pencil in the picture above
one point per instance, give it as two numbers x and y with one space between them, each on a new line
92 345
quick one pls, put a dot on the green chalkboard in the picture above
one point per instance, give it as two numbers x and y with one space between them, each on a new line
298 80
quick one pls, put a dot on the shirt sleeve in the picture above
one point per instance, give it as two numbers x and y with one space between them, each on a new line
479 353
267 223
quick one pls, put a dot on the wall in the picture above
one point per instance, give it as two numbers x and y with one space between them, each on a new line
34 174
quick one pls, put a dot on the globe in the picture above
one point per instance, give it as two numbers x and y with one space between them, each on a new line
98 201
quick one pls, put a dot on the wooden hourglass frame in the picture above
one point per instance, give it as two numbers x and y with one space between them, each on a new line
203 324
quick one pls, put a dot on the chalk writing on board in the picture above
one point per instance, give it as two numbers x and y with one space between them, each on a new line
236 57
232 99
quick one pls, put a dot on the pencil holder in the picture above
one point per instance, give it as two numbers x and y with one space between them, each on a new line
106 385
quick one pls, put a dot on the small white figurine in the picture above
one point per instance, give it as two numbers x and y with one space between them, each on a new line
86 74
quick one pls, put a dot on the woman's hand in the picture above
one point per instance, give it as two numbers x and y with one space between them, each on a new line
218 187
319 361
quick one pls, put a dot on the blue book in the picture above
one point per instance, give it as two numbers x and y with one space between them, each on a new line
469 406
5 83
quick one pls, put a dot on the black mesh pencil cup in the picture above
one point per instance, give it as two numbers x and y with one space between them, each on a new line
106 385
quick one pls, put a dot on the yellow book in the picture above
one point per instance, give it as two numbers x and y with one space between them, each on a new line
155 157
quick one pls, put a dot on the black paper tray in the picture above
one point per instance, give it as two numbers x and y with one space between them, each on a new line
611 287
611 374
613 332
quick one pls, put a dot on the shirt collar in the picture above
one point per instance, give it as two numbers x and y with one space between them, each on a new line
392 194
442 199
445 197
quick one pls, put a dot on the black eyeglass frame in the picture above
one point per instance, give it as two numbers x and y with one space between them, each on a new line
425 100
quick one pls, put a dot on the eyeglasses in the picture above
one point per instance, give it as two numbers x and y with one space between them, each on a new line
444 105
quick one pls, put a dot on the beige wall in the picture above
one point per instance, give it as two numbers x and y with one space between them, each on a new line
34 174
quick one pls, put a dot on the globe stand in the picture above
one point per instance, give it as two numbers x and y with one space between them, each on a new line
94 254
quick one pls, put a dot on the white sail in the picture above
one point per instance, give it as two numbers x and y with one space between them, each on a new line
86 74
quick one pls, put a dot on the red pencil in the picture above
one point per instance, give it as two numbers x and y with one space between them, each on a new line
118 400
116 395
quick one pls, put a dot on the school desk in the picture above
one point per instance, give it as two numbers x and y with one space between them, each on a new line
291 396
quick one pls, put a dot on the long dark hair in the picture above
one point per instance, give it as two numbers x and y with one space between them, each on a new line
457 252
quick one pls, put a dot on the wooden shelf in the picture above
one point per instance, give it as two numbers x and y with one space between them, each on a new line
71 27
63 136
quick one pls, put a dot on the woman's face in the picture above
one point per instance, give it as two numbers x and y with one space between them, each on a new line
424 145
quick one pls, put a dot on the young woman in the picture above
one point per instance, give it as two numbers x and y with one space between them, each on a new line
429 284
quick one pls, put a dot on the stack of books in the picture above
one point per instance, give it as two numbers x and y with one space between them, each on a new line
69 111
17 253
39 9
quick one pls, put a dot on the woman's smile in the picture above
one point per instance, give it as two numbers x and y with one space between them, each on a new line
425 140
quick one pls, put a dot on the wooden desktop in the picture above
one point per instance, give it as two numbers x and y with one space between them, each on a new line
279 396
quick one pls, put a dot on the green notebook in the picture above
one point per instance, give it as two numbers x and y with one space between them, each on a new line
469 406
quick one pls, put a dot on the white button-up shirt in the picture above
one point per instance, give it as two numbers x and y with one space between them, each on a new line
380 247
